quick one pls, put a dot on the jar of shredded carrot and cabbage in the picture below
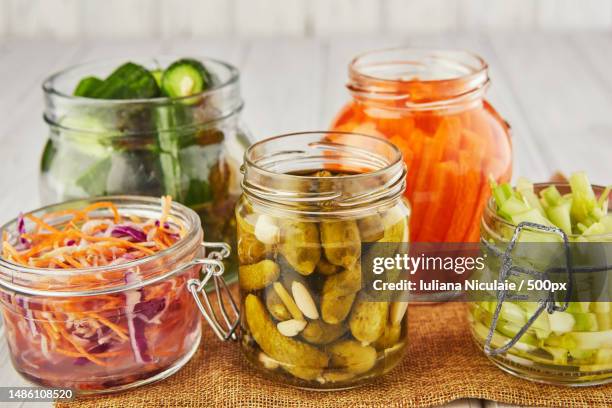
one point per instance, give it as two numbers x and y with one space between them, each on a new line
431 105
102 295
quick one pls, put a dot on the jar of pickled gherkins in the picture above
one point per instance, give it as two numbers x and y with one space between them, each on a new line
132 139
562 344
310 203
431 105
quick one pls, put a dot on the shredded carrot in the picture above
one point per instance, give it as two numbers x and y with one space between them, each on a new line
40 223
56 240
80 348
121 332
104 204
12 252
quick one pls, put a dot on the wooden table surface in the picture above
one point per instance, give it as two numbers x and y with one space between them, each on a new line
555 90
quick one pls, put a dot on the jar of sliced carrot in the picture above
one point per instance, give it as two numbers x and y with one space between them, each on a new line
103 294
431 105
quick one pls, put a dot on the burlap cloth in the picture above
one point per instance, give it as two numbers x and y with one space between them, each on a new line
442 364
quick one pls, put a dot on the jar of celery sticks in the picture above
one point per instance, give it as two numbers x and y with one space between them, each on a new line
310 202
118 128
548 337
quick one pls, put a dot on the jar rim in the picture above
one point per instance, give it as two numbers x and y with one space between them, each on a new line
193 232
252 147
369 176
405 78
50 89
438 54
491 212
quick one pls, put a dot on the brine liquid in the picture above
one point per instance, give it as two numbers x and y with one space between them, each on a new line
343 339
94 344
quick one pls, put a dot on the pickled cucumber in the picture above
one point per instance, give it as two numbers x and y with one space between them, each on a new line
368 320
389 338
275 305
259 275
338 294
250 249
396 226
300 245
343 283
326 268
371 228
352 356
319 332
341 242
335 309
285 350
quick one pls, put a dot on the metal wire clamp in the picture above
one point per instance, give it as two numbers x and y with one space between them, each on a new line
507 269
213 267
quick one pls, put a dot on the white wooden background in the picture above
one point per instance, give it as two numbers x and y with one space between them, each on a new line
68 19
555 90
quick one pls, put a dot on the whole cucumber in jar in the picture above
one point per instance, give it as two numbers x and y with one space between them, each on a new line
160 126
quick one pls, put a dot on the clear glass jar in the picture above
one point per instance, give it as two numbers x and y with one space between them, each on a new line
108 328
310 201
431 105
189 148
581 353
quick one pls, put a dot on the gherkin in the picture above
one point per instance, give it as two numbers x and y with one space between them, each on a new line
259 275
300 245
341 242
368 320
285 350
352 356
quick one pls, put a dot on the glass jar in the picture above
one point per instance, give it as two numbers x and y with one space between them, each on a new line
188 148
310 202
570 347
431 105
107 328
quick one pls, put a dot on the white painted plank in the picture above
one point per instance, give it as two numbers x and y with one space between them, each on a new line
23 132
345 16
232 51
119 18
3 19
94 50
423 16
281 83
188 18
592 47
572 14
483 15
339 54
269 17
564 102
42 18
